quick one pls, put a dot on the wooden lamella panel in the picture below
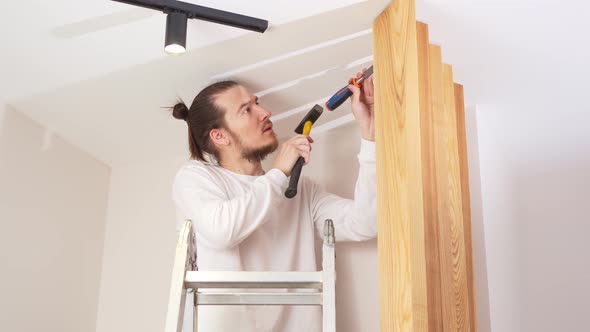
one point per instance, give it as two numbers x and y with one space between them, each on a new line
424 242
450 210
402 275
465 196
431 235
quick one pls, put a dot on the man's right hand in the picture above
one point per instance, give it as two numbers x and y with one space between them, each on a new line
288 153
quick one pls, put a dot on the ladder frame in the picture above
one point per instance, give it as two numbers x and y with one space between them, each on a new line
185 276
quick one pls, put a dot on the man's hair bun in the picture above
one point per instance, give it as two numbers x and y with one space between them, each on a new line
180 111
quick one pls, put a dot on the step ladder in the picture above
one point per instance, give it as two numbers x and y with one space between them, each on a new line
185 277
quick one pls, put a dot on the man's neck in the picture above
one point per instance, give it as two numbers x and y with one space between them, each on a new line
243 166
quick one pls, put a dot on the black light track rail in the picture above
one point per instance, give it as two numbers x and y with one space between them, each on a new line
202 13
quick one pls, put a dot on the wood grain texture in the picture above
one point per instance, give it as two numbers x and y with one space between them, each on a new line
433 291
450 211
402 275
465 196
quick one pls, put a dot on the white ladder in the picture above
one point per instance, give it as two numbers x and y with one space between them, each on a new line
185 277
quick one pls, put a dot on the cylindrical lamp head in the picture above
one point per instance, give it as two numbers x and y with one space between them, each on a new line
175 33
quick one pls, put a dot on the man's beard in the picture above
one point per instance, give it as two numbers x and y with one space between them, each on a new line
259 153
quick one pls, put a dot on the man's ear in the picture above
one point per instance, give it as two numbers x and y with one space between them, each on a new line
219 136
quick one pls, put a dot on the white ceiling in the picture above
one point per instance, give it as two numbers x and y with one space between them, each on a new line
62 42
97 75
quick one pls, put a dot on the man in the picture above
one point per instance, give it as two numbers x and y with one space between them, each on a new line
242 220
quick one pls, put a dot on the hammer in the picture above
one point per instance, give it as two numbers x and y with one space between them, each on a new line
304 128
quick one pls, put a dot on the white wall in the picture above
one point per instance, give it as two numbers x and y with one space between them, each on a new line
535 180
52 214
335 166
140 239
480 274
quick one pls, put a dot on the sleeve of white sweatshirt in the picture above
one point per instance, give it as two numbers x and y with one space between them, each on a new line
354 220
222 222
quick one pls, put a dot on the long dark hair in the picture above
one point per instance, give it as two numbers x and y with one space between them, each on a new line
203 116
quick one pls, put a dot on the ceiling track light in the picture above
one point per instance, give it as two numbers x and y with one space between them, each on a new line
175 43
179 12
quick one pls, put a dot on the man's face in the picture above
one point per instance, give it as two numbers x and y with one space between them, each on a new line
248 123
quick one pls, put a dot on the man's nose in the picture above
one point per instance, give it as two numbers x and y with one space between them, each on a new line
264 114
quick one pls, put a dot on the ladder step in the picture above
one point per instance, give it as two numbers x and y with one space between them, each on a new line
259 298
251 279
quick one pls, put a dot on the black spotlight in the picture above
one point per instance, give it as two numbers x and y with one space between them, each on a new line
175 33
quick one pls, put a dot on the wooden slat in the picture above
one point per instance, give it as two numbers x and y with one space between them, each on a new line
465 195
431 235
452 240
402 280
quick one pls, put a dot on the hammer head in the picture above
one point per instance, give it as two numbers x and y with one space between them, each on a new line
312 116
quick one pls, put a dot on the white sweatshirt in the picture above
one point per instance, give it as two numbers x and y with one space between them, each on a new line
245 223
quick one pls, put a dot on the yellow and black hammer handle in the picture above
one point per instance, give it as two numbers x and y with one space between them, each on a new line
296 172
304 128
